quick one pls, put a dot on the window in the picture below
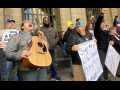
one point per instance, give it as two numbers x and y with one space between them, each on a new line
93 11
40 13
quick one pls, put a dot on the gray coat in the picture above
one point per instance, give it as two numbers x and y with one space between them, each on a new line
51 35
16 45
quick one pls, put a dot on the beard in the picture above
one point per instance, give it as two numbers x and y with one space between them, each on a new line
12 27
83 34
46 25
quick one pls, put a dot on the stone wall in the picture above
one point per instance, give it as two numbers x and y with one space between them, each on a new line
10 13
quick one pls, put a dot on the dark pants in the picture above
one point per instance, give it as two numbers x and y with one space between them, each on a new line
3 70
54 62
102 55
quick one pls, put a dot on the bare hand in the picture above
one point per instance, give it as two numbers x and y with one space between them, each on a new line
41 34
95 41
75 48
111 43
104 10
91 17
26 53
2 45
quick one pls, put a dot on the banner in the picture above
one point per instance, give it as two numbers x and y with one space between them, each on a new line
90 60
112 59
8 34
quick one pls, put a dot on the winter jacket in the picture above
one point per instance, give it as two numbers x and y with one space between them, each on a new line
75 39
103 38
68 33
51 35
116 43
61 41
115 25
16 45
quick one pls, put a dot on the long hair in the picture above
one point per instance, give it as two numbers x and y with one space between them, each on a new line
113 28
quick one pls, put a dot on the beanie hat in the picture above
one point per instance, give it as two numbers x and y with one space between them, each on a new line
79 23
68 23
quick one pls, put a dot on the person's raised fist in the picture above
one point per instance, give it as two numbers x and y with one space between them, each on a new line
104 10
91 17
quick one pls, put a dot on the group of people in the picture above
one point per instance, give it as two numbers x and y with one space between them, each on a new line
16 47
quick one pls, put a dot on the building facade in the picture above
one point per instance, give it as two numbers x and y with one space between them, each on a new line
58 16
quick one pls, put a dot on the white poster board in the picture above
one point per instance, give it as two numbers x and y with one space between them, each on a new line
112 59
8 34
90 60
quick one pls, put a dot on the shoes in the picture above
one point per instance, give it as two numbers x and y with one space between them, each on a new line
56 79
68 56
107 80
71 74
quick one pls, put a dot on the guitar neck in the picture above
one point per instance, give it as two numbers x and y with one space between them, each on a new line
40 39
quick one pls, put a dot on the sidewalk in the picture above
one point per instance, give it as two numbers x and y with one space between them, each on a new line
63 71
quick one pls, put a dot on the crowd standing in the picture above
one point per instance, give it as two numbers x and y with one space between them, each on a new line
16 47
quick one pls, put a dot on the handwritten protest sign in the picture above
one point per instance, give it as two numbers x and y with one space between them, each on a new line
8 34
90 60
112 60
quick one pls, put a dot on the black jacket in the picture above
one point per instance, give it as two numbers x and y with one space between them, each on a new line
60 42
103 39
71 41
67 34
116 43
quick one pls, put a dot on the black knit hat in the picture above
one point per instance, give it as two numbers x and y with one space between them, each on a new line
102 21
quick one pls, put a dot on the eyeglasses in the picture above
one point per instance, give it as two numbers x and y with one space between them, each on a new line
46 20
72 24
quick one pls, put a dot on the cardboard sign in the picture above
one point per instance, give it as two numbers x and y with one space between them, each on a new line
112 60
8 34
90 60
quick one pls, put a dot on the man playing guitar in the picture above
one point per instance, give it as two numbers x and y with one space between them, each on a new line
17 49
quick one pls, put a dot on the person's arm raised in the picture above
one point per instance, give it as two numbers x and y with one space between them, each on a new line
87 28
98 22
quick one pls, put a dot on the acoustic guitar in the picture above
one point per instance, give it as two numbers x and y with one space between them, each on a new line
40 57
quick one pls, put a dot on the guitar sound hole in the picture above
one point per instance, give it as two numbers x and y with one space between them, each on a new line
40 44
44 48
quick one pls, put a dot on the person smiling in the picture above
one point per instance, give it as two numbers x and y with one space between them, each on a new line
17 49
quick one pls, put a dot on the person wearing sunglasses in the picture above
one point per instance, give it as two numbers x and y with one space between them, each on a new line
52 38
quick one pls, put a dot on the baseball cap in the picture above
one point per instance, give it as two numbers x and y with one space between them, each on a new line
79 23
9 20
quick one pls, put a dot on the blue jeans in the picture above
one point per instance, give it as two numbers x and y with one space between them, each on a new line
63 49
9 64
53 65
71 65
33 75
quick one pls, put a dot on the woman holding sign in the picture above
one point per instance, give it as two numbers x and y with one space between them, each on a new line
115 37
